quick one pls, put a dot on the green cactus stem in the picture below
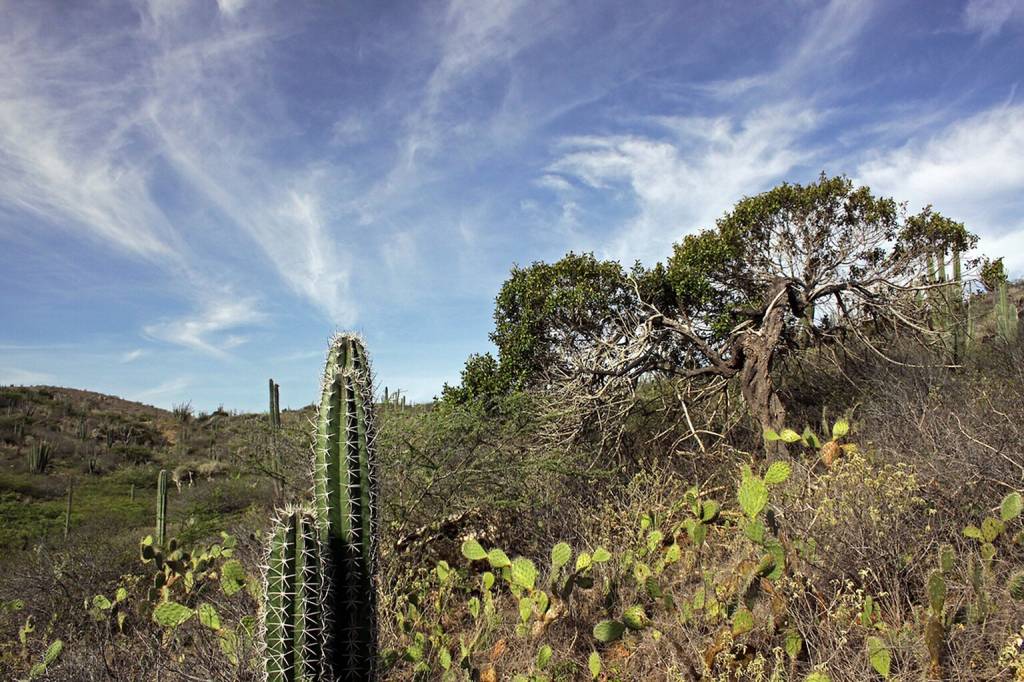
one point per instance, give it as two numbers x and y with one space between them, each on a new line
1006 315
161 508
293 614
39 457
345 499
67 513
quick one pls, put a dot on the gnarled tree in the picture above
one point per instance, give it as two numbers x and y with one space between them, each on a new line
794 266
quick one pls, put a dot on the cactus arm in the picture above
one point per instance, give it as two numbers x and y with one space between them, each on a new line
161 508
280 602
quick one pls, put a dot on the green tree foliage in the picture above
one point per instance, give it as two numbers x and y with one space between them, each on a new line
799 264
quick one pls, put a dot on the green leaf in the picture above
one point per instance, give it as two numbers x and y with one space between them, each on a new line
472 550
120 595
561 554
1011 507
525 609
208 616
101 602
771 435
232 577
52 652
818 676
973 532
445 658
777 473
742 621
170 614
754 530
524 573
991 528
709 510
498 558
789 436
635 617
228 641
753 495
654 539
601 555
474 607
879 656
543 656
487 579
793 644
840 429
608 630
594 663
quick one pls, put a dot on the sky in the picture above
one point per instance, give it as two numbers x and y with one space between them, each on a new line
194 195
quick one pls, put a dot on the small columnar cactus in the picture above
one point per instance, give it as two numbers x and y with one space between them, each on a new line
39 457
1006 315
161 508
294 618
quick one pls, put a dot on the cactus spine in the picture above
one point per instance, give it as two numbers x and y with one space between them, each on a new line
161 508
320 612
293 620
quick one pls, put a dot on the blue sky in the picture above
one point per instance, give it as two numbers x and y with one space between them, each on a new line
194 195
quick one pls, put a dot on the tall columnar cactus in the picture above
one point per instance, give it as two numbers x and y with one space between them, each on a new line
1006 315
345 497
275 404
39 457
293 618
320 615
161 508
67 513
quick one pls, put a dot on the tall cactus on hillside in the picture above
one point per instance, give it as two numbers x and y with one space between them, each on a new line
39 457
340 554
1006 315
276 464
161 508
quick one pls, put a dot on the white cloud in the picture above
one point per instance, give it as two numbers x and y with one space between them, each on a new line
988 17
828 37
207 331
192 111
23 377
87 121
683 182
65 162
972 170
132 355
163 392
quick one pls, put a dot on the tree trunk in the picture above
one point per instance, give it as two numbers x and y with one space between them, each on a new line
757 348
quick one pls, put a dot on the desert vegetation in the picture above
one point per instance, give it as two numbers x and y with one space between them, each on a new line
793 450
